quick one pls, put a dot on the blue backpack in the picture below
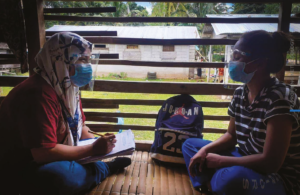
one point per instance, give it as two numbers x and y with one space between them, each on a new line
179 118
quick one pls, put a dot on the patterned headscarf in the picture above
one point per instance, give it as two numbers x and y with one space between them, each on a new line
53 60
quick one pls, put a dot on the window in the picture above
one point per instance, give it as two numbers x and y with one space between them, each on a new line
100 46
168 48
132 47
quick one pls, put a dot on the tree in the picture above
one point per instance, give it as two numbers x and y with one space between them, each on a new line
248 8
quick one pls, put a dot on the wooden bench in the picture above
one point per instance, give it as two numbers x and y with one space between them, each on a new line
146 177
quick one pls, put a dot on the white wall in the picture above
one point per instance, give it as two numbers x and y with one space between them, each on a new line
182 53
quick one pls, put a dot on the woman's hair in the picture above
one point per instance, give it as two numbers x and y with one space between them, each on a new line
268 45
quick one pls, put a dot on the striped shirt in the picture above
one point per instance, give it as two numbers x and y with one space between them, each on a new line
251 125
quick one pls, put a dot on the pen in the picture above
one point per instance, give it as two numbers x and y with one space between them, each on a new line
101 135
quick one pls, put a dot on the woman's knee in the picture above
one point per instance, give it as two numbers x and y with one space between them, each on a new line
194 144
228 180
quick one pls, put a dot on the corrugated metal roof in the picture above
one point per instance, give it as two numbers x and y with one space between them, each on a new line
150 32
222 29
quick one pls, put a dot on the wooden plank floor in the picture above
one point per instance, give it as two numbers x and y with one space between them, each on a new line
147 177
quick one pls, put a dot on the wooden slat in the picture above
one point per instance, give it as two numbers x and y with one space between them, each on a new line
163 64
137 41
143 145
80 10
115 128
101 187
11 81
109 184
142 115
98 103
141 189
103 106
163 87
145 157
7 56
295 20
116 189
35 29
160 19
156 190
138 156
178 182
164 181
149 185
109 56
186 181
292 68
87 33
102 119
10 61
171 180
125 188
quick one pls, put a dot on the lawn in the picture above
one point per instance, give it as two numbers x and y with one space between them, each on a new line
149 135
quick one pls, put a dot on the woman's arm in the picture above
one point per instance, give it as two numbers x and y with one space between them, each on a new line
85 133
62 152
277 142
226 141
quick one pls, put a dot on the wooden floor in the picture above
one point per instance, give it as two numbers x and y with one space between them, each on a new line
146 177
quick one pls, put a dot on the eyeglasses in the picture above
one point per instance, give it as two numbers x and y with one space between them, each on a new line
240 52
236 51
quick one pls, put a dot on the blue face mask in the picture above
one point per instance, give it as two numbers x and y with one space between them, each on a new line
83 74
237 73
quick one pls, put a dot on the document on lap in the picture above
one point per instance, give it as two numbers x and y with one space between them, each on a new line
125 146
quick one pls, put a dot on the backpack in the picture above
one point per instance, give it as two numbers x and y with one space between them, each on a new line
179 118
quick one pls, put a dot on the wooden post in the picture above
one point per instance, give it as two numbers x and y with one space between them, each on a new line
35 29
284 25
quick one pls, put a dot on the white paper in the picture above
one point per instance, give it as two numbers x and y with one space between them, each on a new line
125 143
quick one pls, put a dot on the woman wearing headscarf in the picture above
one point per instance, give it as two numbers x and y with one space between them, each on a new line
42 122
267 133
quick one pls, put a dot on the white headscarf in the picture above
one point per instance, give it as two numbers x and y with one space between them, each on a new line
53 61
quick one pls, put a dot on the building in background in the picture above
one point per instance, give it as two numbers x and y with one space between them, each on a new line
160 53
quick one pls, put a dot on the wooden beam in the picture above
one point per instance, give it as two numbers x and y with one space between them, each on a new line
137 41
163 64
81 10
292 68
35 29
163 87
148 87
160 19
295 20
87 33
101 119
11 61
143 145
109 56
143 115
115 128
97 103
285 10
11 81
7 56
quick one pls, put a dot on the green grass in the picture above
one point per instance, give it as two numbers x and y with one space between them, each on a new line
149 135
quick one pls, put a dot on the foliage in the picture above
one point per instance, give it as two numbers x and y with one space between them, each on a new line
248 8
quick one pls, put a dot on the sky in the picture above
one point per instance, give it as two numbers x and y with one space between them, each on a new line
149 6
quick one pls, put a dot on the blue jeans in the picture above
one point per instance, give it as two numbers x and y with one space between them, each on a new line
62 178
231 180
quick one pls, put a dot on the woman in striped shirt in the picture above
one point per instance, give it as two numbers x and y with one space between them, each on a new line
267 159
